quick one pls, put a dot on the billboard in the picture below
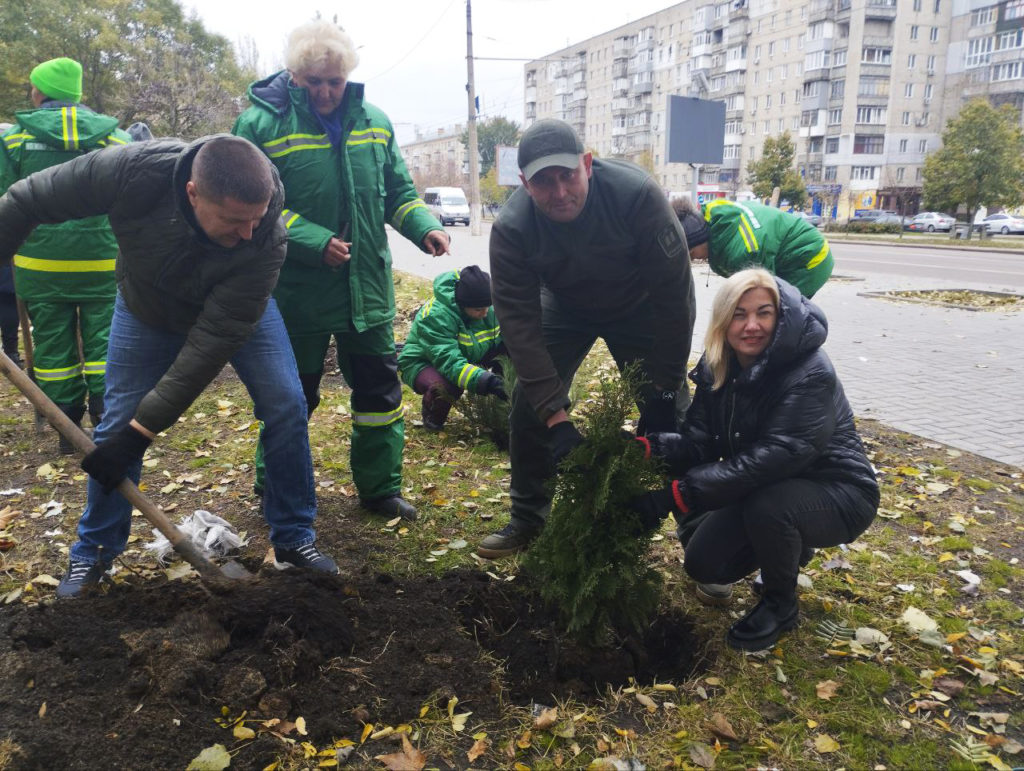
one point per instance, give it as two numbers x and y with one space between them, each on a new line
695 130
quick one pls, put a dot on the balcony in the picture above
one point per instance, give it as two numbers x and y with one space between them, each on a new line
880 9
820 10
645 87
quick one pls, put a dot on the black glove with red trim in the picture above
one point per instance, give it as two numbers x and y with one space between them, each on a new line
564 438
492 384
655 506
658 414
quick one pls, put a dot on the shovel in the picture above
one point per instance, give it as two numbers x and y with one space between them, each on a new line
208 571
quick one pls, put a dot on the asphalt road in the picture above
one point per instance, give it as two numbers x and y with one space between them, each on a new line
974 269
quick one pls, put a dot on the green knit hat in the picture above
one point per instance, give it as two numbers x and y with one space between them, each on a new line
59 79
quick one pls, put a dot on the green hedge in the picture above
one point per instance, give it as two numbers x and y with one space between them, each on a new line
862 226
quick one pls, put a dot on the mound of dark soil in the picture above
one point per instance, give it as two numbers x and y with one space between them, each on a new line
137 677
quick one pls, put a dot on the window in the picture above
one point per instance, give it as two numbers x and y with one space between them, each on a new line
816 31
922 146
816 60
767 101
903 145
811 89
838 87
917 175
870 55
911 61
757 52
983 16
835 117
769 76
908 90
731 151
783 71
830 173
913 31
832 145
863 173
779 125
899 174
979 52
1009 39
917 5
934 36
931 63
814 146
782 98
868 144
767 127
839 58
905 119
870 114
928 91
1007 71
809 118
938 5
771 48
873 87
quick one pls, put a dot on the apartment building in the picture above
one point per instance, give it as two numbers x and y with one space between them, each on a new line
437 158
864 87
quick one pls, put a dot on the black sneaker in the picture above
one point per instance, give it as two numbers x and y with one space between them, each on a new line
510 539
307 557
390 506
80 578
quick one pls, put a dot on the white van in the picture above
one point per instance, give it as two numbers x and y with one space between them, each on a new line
448 204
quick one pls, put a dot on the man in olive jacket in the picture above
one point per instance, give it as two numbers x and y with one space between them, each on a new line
586 249
344 179
201 242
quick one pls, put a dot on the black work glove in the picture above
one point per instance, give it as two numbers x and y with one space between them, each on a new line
494 385
658 414
653 507
564 438
109 463
659 444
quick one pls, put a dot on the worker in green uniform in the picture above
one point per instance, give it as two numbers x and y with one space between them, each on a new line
734 236
65 271
344 179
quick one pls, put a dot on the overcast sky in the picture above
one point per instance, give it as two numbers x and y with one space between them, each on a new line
413 52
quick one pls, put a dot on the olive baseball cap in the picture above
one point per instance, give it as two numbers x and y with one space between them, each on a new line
548 142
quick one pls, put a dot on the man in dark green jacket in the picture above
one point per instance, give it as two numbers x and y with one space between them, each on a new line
344 180
201 243
64 272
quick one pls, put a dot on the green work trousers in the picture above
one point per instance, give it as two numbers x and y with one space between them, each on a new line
63 371
368 362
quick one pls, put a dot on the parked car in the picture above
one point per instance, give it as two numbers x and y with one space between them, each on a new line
873 214
1003 223
930 221
888 218
814 219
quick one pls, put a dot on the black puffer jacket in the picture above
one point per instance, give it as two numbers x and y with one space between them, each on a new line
169 273
785 416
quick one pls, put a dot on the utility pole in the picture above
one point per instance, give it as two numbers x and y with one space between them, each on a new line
474 162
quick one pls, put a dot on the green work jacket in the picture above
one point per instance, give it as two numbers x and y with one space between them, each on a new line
443 337
350 189
752 235
72 260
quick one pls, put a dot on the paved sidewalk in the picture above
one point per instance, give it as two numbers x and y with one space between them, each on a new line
949 375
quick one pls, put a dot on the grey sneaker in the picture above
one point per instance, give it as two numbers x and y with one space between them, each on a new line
80 578
714 594
510 539
308 557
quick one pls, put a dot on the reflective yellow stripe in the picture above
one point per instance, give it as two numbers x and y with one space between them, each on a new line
482 336
427 306
289 217
63 266
743 235
62 373
377 419
816 259
113 140
16 140
69 127
365 136
282 146
752 243
466 374
403 212
94 367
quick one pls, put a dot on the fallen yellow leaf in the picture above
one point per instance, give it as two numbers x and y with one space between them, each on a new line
825 744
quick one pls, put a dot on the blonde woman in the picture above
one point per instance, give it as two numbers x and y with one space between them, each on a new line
768 464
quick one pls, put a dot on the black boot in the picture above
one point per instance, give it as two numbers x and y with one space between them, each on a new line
75 413
763 625
95 409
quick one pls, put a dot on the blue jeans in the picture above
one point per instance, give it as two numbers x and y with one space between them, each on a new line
138 356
